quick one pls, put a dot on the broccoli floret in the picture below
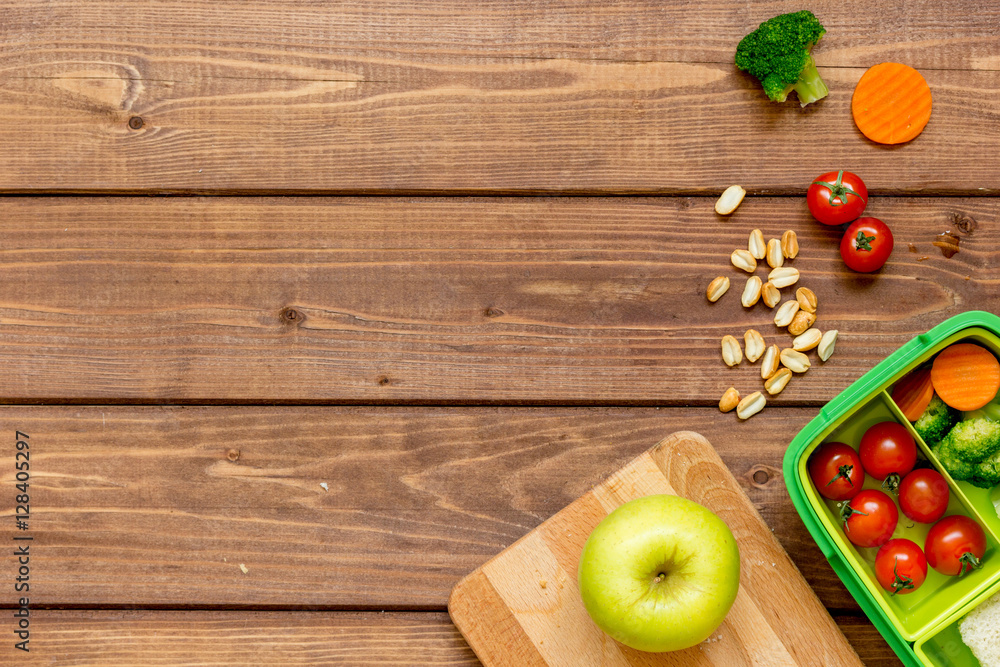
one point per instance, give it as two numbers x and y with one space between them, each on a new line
936 421
973 440
955 466
778 54
987 473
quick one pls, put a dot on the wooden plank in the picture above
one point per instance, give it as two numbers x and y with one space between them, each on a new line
866 640
161 505
523 607
144 637
192 637
444 300
493 97
958 35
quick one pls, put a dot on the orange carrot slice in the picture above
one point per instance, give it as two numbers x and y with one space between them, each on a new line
913 393
966 376
891 103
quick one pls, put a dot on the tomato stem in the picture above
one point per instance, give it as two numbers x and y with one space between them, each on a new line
900 582
891 482
846 512
838 190
969 562
843 471
863 242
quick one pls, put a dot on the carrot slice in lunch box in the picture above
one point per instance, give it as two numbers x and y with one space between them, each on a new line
966 376
891 103
913 393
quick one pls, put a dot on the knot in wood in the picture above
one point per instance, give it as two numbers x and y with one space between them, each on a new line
135 122
233 454
291 316
383 380
493 311
965 223
761 476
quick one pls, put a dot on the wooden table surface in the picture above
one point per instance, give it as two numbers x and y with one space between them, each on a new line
311 308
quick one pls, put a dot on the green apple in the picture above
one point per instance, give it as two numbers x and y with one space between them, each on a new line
659 573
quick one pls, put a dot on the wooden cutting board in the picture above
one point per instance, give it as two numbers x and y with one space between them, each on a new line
523 606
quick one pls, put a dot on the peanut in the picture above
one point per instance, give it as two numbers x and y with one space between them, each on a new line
783 276
731 352
789 244
769 365
754 343
730 199
794 360
807 299
826 344
751 405
774 257
729 400
751 292
786 313
756 244
770 294
807 341
744 261
801 322
717 288
778 381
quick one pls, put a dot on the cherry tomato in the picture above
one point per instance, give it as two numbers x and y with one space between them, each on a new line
837 197
888 452
870 518
955 545
923 495
866 245
835 469
900 566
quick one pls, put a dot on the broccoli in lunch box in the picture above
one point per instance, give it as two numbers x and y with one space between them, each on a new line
971 452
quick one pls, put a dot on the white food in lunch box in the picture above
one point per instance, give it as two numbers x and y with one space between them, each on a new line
981 632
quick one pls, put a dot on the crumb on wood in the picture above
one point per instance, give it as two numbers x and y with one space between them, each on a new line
243 568
543 583
326 487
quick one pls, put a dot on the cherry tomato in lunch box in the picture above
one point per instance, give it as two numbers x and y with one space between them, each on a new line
837 197
870 518
900 566
866 245
955 545
835 469
923 495
888 452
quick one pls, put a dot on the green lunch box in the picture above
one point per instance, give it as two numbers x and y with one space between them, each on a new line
922 626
